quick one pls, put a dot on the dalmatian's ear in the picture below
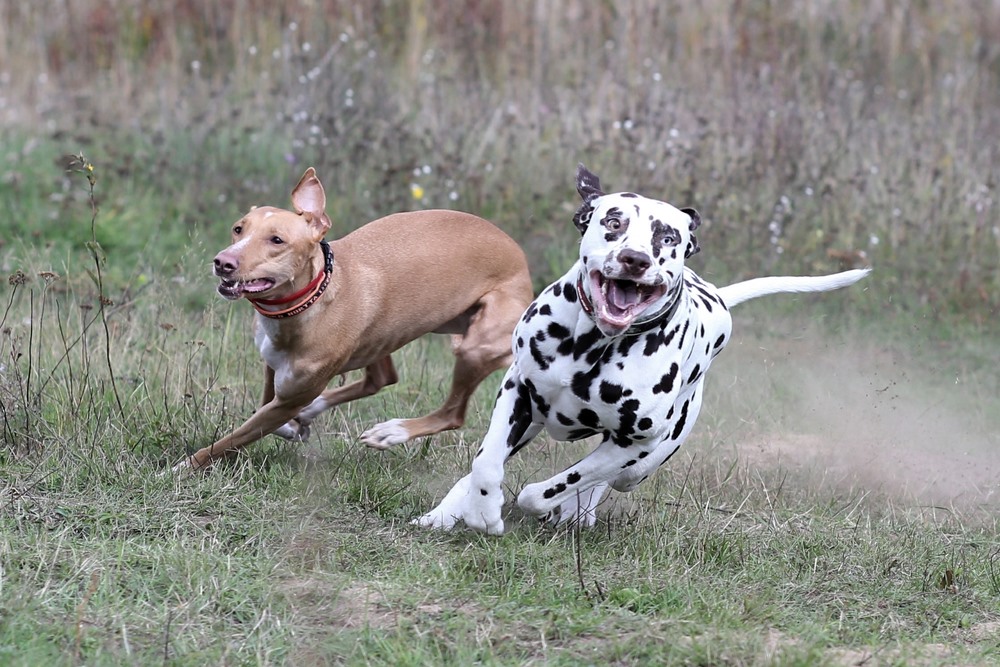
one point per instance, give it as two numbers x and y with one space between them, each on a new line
695 218
587 184
692 246
589 187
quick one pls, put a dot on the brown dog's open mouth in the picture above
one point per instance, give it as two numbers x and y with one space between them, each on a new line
618 302
234 289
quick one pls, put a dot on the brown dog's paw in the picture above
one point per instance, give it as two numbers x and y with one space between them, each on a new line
386 434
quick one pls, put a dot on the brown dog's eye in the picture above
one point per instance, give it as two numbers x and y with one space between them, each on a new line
237 229
276 240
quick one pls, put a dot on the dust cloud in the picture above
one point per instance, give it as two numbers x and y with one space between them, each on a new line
916 419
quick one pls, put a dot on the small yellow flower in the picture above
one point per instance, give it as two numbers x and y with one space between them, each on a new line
416 191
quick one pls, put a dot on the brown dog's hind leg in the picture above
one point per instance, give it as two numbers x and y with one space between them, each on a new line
484 348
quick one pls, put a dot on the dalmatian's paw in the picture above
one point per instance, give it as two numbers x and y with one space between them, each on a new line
386 434
478 510
538 501
578 509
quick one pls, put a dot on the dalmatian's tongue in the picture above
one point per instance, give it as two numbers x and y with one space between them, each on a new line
618 302
623 294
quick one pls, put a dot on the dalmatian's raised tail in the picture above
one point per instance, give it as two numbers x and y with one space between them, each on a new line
756 287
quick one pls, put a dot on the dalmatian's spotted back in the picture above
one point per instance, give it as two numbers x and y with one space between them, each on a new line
618 348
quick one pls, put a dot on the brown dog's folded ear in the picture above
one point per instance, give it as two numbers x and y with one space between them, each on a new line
309 200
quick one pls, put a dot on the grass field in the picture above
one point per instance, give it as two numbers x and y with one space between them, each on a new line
836 503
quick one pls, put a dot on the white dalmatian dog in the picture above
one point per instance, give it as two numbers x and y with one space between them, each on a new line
618 347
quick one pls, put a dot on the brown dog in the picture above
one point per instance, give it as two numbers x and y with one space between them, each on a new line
325 309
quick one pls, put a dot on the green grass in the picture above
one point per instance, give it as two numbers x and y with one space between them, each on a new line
837 501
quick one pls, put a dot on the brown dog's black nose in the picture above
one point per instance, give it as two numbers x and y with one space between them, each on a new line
225 263
634 262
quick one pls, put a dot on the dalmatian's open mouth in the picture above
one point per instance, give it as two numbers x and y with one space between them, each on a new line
234 289
618 301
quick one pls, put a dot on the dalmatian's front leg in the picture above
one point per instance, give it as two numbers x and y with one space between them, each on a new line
546 500
477 498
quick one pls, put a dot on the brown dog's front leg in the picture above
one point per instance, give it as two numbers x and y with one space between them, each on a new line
266 420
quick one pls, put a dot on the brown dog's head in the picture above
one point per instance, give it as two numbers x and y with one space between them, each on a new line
272 248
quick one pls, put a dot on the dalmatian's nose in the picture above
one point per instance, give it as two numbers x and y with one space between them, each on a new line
634 262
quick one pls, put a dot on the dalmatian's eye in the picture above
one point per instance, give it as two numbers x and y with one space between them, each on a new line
671 237
614 224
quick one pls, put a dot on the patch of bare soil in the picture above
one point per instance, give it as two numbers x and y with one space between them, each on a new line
854 414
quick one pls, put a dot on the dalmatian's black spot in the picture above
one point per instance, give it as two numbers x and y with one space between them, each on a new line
546 310
615 223
664 236
556 289
643 455
520 342
573 478
720 341
645 424
520 419
679 426
569 293
610 392
581 381
630 195
625 346
509 384
580 434
484 492
563 419
584 342
589 418
541 359
603 355
530 313
629 463
537 399
557 330
680 343
653 342
557 489
695 374
666 383
670 336
627 392
626 423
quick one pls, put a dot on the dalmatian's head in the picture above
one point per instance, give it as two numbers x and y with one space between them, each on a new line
633 251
